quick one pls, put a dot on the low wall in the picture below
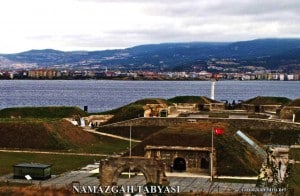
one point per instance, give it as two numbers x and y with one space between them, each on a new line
243 123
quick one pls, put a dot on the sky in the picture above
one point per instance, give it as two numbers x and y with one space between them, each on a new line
70 25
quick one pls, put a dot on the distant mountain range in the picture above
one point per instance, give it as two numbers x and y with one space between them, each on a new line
268 53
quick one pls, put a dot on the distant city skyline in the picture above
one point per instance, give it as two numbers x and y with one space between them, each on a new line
71 25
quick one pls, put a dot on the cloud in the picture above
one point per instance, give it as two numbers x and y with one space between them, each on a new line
98 24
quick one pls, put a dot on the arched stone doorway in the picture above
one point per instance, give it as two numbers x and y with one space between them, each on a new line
179 164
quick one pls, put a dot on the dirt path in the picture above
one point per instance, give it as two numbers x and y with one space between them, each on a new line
87 129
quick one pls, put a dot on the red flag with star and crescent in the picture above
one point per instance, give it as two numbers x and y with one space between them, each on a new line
218 131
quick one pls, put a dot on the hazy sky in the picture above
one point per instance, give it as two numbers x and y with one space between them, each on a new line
105 24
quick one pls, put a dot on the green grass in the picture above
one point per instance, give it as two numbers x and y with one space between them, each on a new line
125 113
191 99
153 101
107 145
63 163
274 136
41 112
268 101
60 163
55 134
137 132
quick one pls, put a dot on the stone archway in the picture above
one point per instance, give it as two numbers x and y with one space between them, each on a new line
110 169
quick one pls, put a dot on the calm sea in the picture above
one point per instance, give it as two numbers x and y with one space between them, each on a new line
101 95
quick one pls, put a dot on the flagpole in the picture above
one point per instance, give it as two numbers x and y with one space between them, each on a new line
130 142
212 154
129 148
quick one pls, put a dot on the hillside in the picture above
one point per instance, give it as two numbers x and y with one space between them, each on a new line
51 134
39 134
261 47
270 53
275 136
43 128
137 132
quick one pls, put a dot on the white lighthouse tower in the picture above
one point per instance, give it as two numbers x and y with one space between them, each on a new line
212 86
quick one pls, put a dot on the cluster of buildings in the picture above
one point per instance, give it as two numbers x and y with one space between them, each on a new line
146 75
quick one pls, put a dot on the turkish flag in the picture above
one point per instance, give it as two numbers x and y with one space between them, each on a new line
218 131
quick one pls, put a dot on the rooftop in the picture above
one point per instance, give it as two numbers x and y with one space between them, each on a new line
32 165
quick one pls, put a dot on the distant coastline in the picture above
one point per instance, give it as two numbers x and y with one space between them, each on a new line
168 76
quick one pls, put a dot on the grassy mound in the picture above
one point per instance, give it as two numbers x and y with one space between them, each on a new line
275 136
133 110
295 102
268 101
50 135
38 134
137 132
41 112
125 113
153 101
233 158
192 99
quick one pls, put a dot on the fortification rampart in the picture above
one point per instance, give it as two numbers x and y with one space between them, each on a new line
243 123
